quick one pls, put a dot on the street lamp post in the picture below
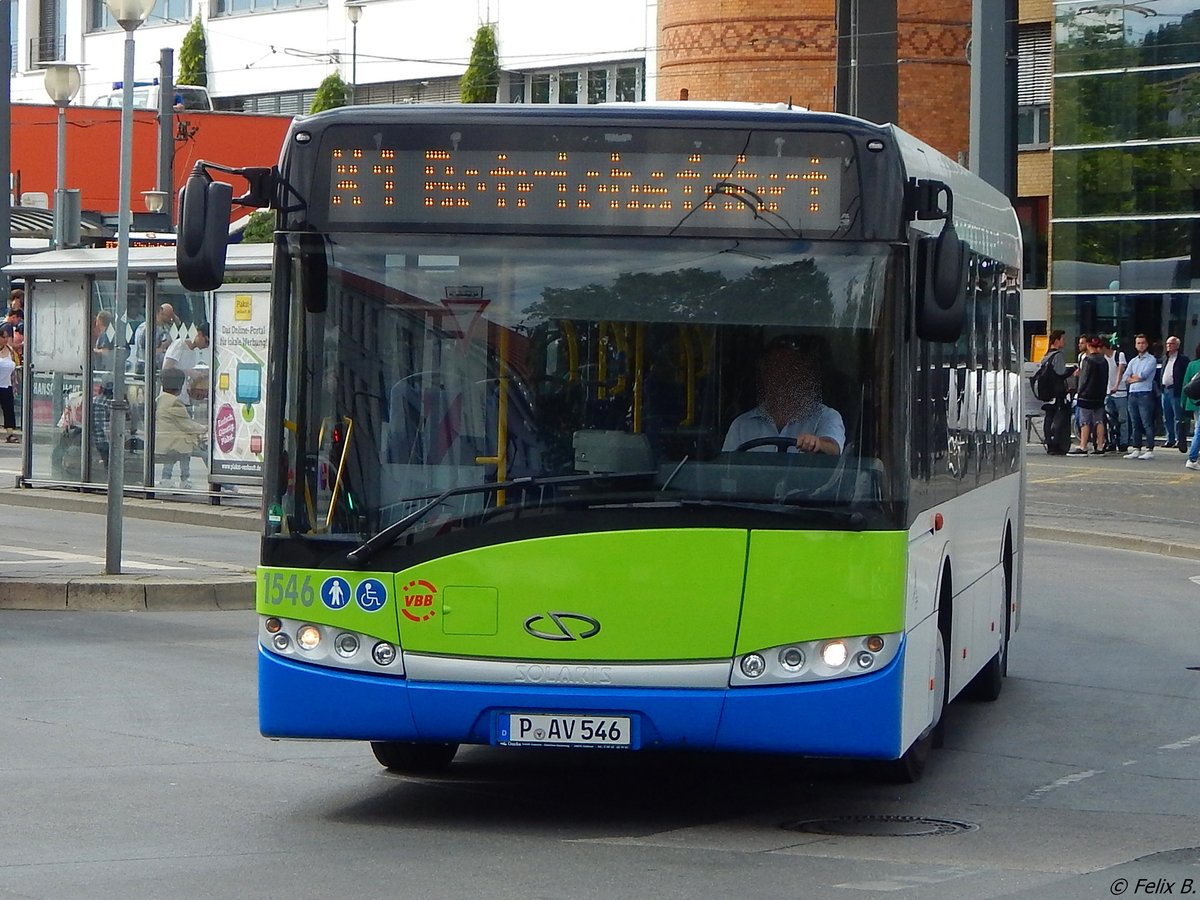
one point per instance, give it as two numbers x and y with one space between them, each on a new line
354 12
129 15
62 84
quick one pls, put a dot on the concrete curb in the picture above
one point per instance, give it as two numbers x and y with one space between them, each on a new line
1175 549
128 592
132 592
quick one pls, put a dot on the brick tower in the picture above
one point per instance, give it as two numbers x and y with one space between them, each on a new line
908 65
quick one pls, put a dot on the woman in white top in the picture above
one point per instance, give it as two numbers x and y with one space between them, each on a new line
9 361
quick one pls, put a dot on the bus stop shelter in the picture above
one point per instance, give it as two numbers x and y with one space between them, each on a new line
65 391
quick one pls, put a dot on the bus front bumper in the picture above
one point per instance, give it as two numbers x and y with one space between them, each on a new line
852 717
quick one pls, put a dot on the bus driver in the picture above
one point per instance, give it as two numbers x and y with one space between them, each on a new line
789 404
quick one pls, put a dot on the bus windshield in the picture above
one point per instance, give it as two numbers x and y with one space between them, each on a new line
433 365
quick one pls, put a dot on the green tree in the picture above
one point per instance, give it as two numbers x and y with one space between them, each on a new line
481 81
260 229
193 56
331 93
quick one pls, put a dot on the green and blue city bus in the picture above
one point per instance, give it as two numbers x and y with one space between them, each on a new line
507 346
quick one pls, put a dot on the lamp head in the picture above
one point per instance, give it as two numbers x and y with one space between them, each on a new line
129 13
156 201
62 82
354 12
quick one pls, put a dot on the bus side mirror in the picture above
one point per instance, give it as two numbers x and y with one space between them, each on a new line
941 286
204 209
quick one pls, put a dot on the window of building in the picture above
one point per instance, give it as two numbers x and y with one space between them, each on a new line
238 7
50 42
1033 214
12 36
597 85
165 12
539 88
1034 70
604 84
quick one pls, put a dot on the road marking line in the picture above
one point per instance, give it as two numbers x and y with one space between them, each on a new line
1065 781
1181 745
63 556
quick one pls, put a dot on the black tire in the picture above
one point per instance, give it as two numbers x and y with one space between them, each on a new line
399 756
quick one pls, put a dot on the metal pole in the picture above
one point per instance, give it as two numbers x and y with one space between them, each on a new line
166 131
120 403
353 63
60 183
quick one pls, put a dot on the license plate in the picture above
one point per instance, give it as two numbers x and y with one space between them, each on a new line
564 731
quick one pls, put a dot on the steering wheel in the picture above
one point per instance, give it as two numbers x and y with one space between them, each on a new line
782 444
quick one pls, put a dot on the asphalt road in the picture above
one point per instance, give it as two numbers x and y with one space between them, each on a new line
131 767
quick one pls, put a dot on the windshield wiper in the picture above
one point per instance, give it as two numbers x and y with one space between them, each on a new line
361 554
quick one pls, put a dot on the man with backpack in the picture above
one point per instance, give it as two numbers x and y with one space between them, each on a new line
1050 386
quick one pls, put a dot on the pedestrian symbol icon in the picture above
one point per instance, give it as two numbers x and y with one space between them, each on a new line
335 592
371 595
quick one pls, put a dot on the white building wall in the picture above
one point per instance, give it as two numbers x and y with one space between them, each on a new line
398 40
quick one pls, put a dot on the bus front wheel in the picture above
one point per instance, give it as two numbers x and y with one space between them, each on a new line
399 756
909 768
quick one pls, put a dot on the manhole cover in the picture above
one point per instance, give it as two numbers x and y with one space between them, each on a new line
882 826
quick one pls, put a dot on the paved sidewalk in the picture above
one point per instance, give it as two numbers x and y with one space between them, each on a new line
84 586
1110 501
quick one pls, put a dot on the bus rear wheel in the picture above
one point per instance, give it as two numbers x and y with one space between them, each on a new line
400 756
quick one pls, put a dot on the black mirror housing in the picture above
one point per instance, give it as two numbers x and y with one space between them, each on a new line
941 286
204 209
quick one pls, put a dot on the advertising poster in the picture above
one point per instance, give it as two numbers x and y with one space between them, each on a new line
239 345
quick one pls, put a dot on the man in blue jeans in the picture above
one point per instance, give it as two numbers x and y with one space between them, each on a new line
1140 377
1174 364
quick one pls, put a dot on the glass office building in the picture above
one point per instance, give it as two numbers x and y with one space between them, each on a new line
1125 220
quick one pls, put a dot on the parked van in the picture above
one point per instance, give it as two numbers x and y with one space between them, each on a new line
146 94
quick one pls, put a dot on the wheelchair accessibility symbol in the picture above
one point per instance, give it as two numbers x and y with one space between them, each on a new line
370 595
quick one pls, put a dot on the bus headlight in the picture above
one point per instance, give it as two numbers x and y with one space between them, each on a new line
791 658
308 637
753 665
310 643
819 660
833 654
383 653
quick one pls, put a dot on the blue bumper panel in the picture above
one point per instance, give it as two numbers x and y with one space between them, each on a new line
858 717
855 717
305 701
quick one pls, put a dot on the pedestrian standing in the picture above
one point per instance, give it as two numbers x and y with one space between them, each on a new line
1056 427
9 362
1117 403
1140 378
1191 406
1174 364
1090 398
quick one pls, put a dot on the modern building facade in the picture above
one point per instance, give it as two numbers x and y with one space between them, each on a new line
1125 228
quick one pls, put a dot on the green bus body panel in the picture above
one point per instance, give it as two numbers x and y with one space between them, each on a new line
298 594
655 595
807 585
663 594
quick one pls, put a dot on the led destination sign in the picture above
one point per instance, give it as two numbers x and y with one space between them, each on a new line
617 189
